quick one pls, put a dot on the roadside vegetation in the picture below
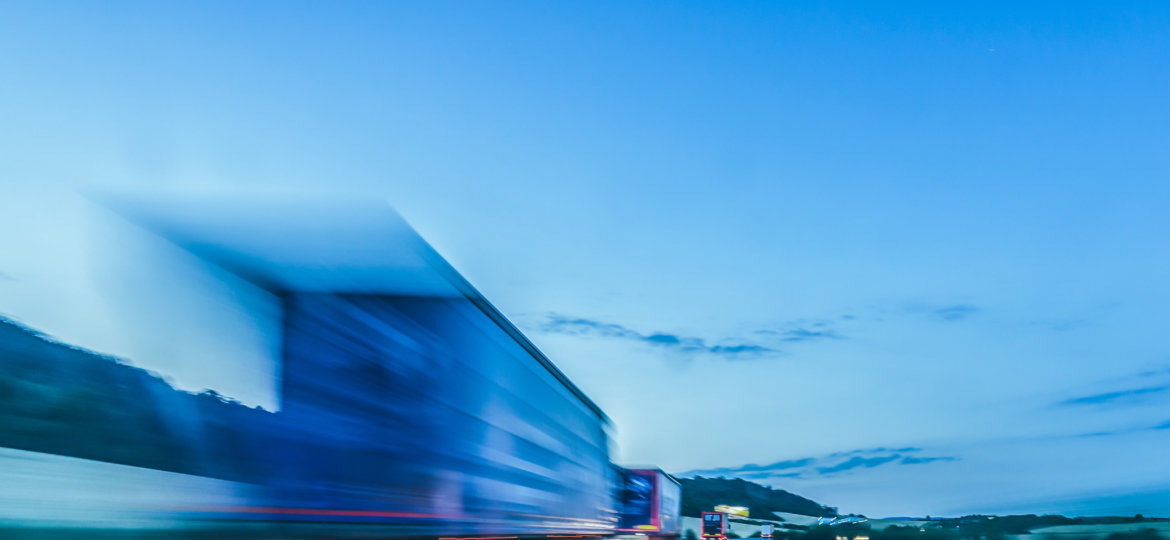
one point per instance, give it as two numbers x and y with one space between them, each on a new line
703 494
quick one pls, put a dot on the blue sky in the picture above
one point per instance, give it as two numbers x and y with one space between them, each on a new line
911 247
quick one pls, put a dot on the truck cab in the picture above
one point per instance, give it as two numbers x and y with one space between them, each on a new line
715 526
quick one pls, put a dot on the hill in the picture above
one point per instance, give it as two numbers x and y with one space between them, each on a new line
701 494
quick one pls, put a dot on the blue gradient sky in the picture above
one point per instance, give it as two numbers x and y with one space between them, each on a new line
920 250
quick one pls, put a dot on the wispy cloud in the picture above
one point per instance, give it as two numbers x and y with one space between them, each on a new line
1130 395
1094 434
561 324
827 465
857 462
6 277
578 326
752 468
911 460
739 349
936 311
1154 372
876 450
1125 431
803 334
801 330
956 312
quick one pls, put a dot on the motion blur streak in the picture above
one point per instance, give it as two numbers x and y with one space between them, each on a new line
396 402
481 538
311 511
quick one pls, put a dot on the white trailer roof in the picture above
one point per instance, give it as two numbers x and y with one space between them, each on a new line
298 242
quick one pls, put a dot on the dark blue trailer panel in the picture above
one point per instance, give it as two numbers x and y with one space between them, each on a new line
424 399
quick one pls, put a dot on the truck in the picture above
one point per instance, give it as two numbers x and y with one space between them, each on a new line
715 526
651 503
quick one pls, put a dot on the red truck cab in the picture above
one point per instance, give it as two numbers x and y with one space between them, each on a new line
715 526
